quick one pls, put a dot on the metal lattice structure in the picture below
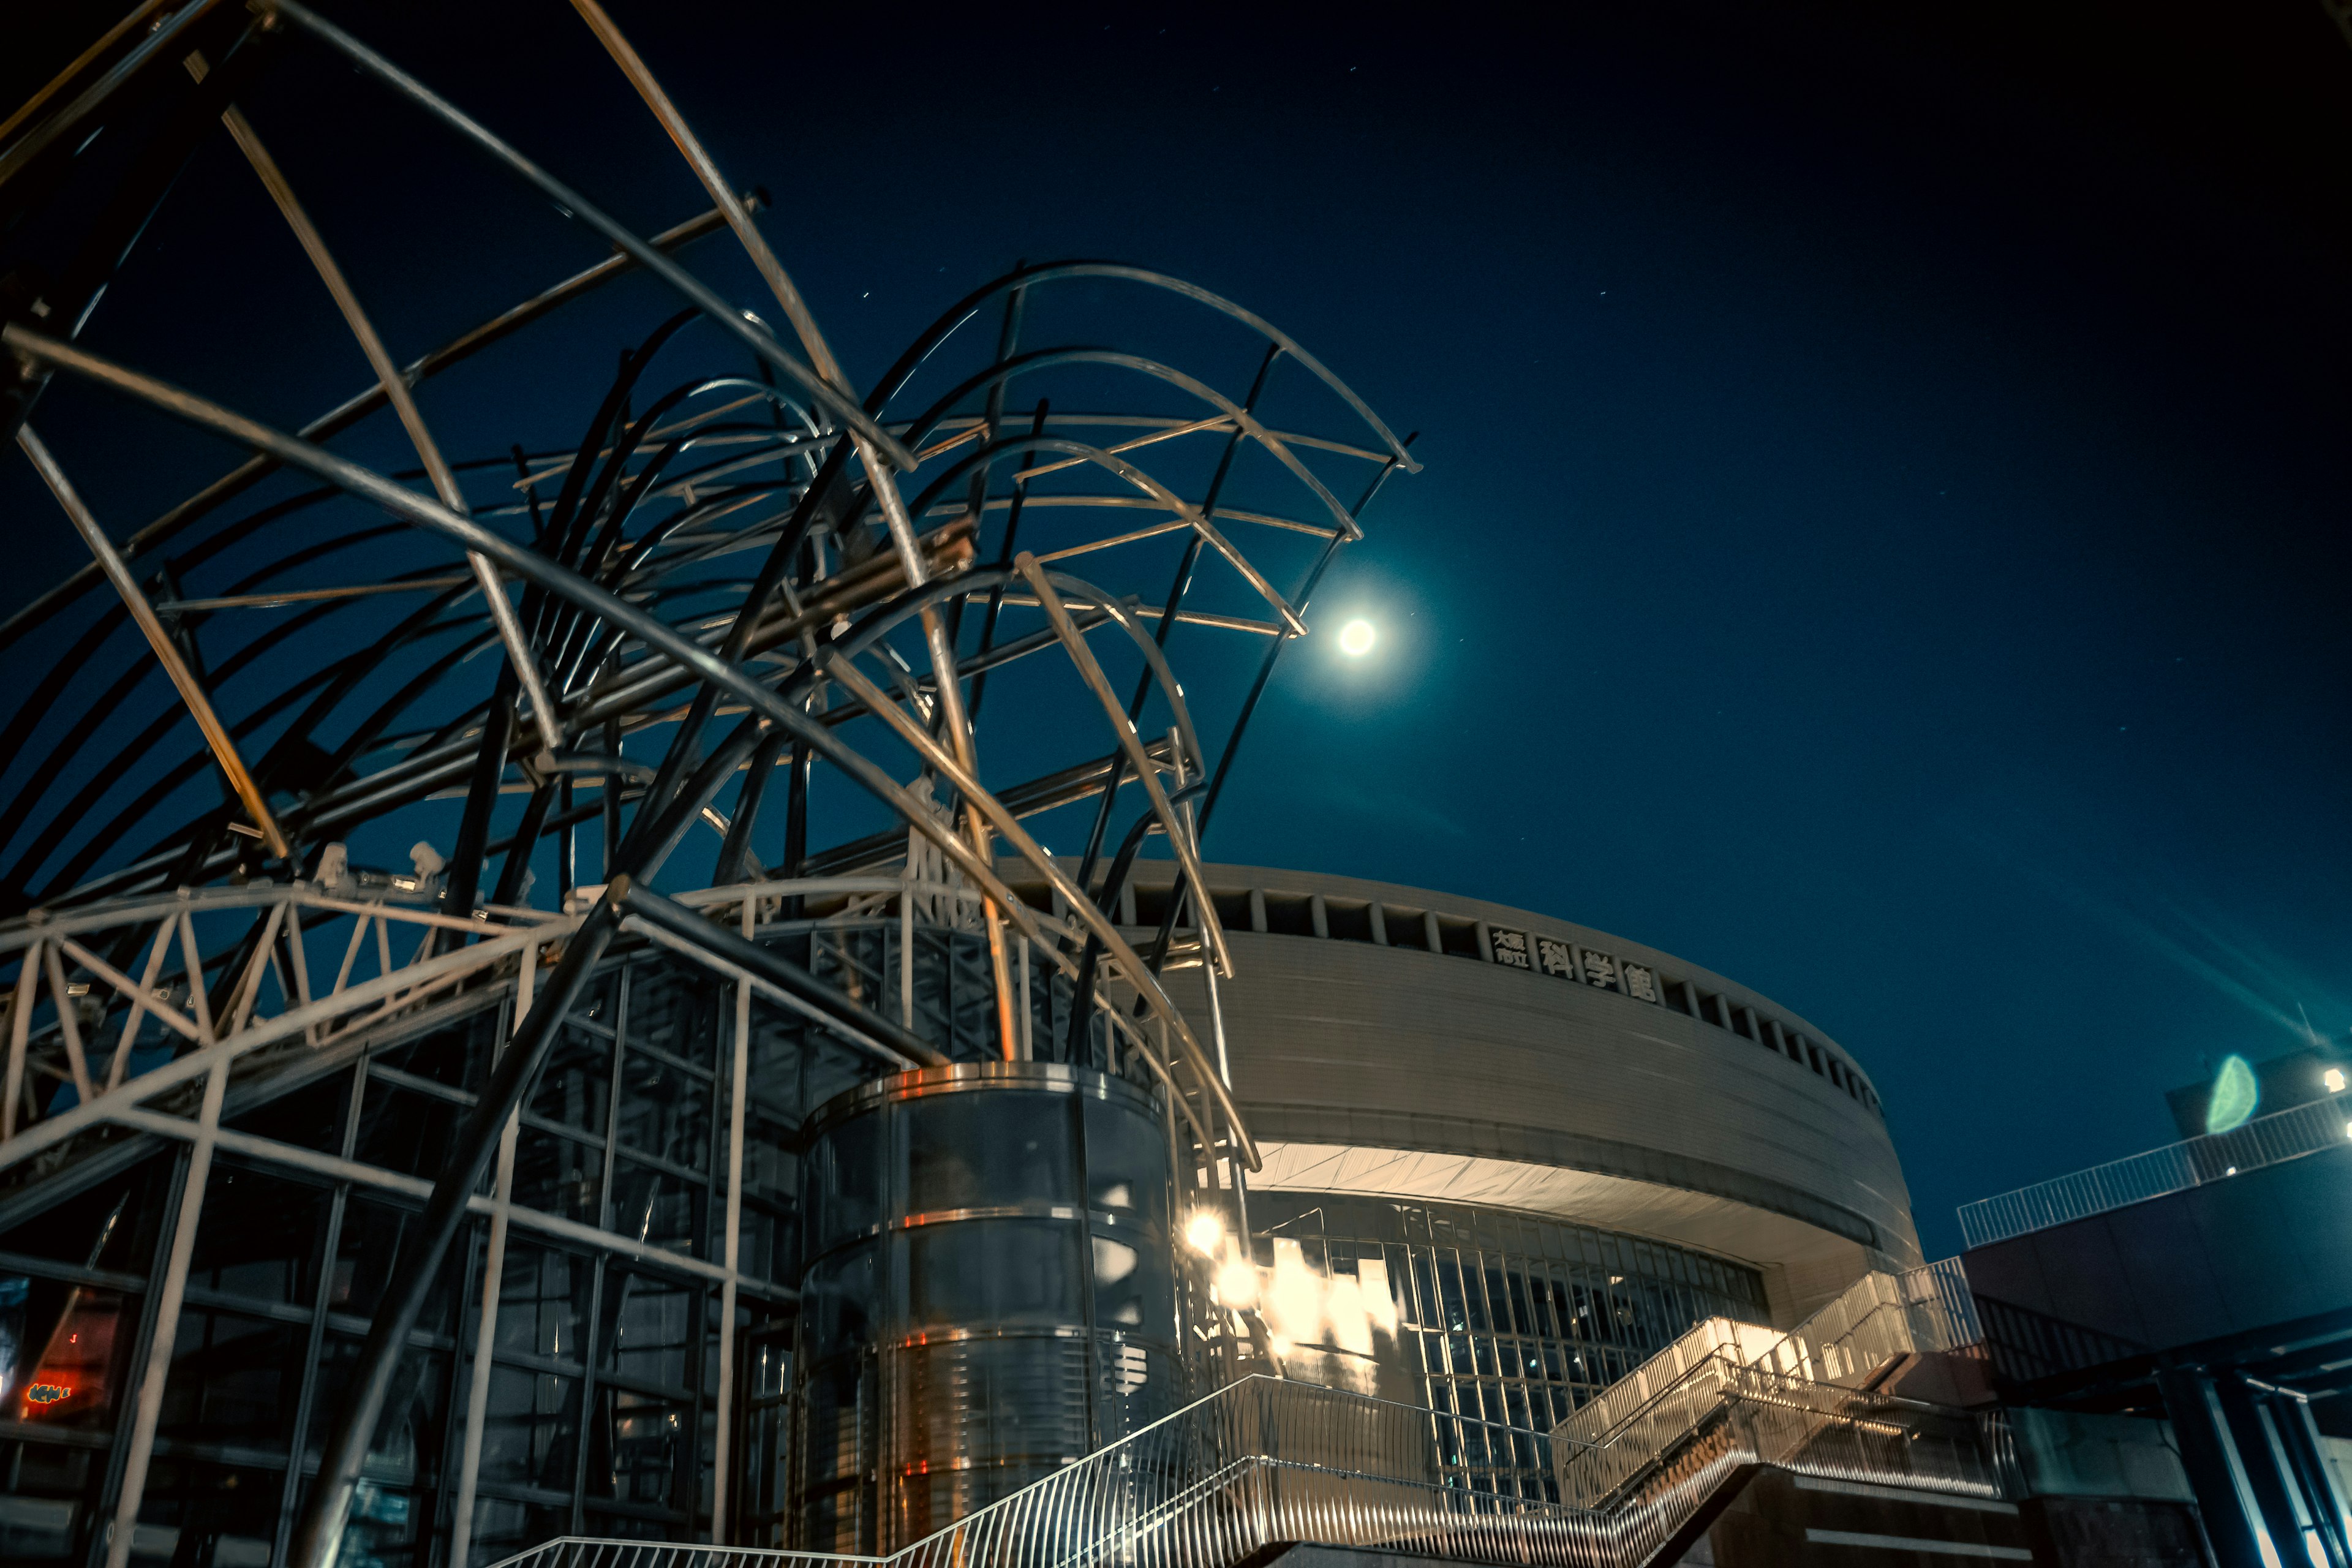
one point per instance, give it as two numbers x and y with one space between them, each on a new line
949 600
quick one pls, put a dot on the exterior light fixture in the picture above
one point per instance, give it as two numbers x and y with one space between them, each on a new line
2334 1080
1356 638
1205 1230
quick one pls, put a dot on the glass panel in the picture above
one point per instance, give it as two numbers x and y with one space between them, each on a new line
389 1525
653 1329
575 1086
678 1008
665 1111
556 1175
1133 1287
455 1055
311 1117
407 1446
51 1494
542 1301
967 1150
376 1236
845 1181
996 1273
406 1130
101 1228
657 1207
641 1443
530 1434
839 1300
260 1237
201 1513
1125 1172
62 1350
233 1379
502 1528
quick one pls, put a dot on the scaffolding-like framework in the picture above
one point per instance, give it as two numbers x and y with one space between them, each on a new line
566 646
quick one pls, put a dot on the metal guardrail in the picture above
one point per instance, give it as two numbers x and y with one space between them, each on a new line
1639 1424
1266 1461
2265 1140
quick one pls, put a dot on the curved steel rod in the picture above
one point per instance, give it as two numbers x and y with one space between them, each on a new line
1189 516
343 416
1248 423
1030 277
519 657
190 692
1091 672
156 44
877 702
567 585
683 282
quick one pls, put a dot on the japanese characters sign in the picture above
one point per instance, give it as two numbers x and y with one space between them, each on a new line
1564 960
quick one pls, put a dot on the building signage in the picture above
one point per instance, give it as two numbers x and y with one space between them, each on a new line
1550 955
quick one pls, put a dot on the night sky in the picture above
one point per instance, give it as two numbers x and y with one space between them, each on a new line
1883 532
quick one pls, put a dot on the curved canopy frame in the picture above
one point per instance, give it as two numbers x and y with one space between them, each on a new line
838 579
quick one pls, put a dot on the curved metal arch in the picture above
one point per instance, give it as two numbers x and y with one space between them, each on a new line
685 284
679 630
963 310
1248 424
1191 514
566 585
70 816
574 520
342 416
266 708
977 581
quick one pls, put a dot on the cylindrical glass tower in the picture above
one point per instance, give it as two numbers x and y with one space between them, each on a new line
988 1292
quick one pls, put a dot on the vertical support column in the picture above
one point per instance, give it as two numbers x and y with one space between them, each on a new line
721 1534
20 1019
1028 1021
494 1264
1225 1076
2301 1434
167 1321
907 940
2270 1479
2217 1471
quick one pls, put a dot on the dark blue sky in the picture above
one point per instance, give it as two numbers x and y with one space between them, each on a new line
1883 531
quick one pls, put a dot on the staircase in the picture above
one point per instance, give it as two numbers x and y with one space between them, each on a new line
1264 1463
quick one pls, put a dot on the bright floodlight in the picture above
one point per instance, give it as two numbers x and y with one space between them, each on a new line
1356 638
1205 1230
2335 1080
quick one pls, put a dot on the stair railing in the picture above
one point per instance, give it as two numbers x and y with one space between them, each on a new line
1612 1442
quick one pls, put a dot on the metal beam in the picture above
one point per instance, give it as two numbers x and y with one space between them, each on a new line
167 652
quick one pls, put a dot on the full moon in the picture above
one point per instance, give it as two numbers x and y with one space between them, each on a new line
1356 638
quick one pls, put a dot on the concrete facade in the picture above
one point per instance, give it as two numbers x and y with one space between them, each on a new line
1369 1063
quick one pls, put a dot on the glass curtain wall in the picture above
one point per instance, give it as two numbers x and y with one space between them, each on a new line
1506 1317
602 1400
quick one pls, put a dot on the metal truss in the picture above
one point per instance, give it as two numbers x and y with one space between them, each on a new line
176 862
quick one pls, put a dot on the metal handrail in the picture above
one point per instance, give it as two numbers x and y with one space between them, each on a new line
1264 1461
2284 1136
1661 1407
